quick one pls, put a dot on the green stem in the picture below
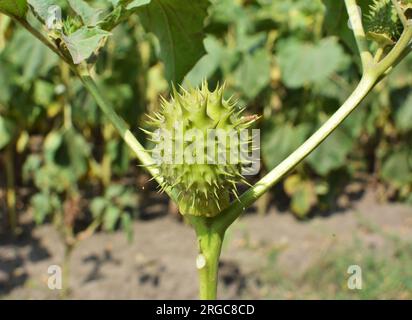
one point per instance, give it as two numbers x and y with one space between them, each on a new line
107 160
122 128
402 47
43 39
207 263
68 250
400 12
11 187
117 121
355 17
373 73
228 216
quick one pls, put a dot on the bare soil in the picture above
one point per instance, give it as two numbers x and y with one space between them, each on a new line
160 262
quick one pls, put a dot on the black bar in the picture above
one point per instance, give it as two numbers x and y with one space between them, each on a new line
192 309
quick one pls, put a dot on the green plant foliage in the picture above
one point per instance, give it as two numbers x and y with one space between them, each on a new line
112 208
332 153
88 14
403 116
41 7
6 132
252 74
279 141
84 42
16 8
178 24
397 168
303 194
383 23
30 55
290 60
302 63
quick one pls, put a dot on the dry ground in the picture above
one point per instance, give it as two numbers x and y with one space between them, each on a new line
160 262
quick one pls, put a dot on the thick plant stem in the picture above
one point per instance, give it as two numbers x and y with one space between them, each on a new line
207 262
355 17
68 250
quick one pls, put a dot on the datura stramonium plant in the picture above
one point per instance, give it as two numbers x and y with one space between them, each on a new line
201 148
383 22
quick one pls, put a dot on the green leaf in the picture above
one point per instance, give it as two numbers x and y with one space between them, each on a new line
29 54
111 216
403 116
279 141
137 3
227 12
305 63
397 168
114 191
89 15
16 8
31 165
84 42
332 153
41 207
5 83
254 73
43 92
7 129
68 150
208 64
303 199
303 194
44 204
127 226
97 206
178 24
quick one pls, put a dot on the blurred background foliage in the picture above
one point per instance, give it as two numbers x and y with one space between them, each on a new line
288 60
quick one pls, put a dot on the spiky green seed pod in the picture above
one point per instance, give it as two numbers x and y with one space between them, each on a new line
203 185
383 24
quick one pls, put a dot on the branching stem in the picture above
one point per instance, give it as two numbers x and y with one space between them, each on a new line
228 216
372 74
210 232
355 17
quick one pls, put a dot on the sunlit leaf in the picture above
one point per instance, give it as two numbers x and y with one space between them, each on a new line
178 24
84 42
17 8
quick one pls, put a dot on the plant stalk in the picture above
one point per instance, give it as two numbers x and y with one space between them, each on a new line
229 215
68 250
373 73
123 129
11 188
355 17
207 262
